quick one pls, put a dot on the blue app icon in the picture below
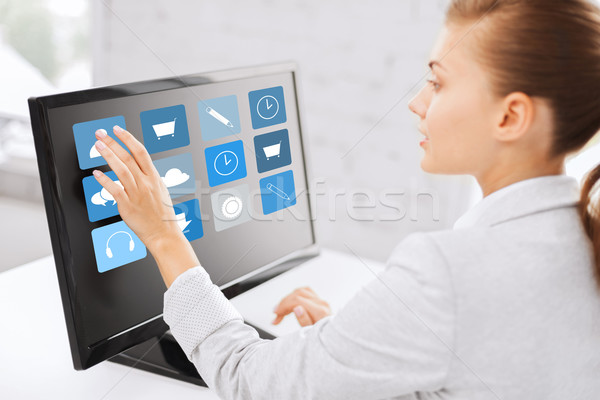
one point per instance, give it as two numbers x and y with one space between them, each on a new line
277 192
165 128
219 117
100 204
225 163
177 172
189 219
272 150
116 245
85 138
267 107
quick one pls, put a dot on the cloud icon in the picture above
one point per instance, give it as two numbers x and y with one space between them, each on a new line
100 198
175 177
94 152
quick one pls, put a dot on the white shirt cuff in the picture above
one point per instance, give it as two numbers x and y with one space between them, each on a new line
194 308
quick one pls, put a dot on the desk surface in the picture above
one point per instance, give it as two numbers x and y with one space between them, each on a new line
35 358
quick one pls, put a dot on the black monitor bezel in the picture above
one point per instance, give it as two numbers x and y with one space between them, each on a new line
86 356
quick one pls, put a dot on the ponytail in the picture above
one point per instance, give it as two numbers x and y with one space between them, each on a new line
589 208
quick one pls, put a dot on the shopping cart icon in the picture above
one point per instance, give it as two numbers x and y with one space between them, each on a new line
165 129
272 150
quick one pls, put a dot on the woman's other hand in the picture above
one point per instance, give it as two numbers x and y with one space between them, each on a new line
305 303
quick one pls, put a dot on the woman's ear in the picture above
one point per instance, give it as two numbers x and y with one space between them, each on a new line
516 116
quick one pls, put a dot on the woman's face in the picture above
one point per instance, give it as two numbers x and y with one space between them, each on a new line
456 109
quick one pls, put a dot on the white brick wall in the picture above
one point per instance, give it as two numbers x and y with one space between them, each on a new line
356 59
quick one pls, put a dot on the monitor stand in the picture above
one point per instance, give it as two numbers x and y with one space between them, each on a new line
166 358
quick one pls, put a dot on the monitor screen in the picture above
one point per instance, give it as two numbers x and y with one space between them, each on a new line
228 146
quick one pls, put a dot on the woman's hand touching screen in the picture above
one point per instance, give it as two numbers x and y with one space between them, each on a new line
142 198
144 202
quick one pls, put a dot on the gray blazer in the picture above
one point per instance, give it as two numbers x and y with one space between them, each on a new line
504 306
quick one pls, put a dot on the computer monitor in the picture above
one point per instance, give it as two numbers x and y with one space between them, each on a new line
229 147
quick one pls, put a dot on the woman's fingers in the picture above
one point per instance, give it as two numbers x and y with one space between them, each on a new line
300 309
115 190
302 316
119 168
315 309
139 152
119 151
288 302
286 305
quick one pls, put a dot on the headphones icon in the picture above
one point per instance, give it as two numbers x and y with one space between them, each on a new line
109 253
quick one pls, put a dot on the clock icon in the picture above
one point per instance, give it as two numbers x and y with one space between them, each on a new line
226 162
267 107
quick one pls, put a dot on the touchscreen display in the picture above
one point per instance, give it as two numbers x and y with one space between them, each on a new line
231 156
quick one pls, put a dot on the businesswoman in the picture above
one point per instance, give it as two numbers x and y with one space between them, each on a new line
504 306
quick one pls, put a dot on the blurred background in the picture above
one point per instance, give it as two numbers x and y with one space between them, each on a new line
359 66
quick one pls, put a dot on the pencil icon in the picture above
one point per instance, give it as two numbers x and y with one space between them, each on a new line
278 191
219 117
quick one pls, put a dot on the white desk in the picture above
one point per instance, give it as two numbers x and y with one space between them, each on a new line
35 358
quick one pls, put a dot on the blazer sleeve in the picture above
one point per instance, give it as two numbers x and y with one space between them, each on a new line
393 338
